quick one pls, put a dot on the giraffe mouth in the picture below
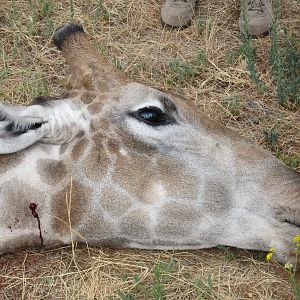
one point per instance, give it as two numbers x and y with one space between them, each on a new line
291 223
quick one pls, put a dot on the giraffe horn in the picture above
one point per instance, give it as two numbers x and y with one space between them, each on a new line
89 69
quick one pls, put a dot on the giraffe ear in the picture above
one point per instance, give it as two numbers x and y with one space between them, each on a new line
20 127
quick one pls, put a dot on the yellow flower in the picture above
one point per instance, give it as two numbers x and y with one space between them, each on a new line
296 239
288 266
269 256
272 250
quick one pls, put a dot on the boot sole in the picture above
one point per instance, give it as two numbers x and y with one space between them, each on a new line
171 27
253 36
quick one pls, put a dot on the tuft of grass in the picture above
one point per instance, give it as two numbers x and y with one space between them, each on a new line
159 292
72 10
200 25
182 72
271 136
296 287
233 103
125 295
101 11
204 290
229 254
293 161
4 70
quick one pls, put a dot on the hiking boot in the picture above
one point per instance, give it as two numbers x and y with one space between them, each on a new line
178 13
258 15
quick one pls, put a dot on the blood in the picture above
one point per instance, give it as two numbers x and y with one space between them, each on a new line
33 208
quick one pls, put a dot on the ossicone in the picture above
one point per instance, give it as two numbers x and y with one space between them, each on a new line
64 32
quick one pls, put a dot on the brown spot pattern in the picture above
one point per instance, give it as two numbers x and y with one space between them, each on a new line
79 148
96 163
177 220
98 138
187 184
75 206
113 146
113 201
51 171
95 108
139 184
98 124
97 229
87 98
136 225
217 197
9 161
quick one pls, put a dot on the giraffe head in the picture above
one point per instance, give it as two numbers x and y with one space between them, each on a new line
154 173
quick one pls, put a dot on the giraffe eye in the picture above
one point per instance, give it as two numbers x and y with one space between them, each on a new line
152 116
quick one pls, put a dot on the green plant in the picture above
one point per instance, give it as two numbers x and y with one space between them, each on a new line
289 267
117 62
4 69
186 72
15 47
233 104
231 56
200 59
13 14
200 25
229 254
47 8
296 287
204 289
159 292
181 72
249 51
271 136
292 269
72 10
293 161
101 10
285 62
125 295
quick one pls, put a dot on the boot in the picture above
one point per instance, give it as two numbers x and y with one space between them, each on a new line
258 15
178 13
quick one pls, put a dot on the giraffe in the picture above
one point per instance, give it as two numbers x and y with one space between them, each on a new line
116 163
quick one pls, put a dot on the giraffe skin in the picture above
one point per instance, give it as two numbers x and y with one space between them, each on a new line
114 162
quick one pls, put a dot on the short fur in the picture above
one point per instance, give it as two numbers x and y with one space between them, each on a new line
98 173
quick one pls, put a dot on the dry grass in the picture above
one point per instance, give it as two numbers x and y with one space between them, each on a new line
129 34
98 274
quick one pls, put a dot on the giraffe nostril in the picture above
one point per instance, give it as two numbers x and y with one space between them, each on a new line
22 128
